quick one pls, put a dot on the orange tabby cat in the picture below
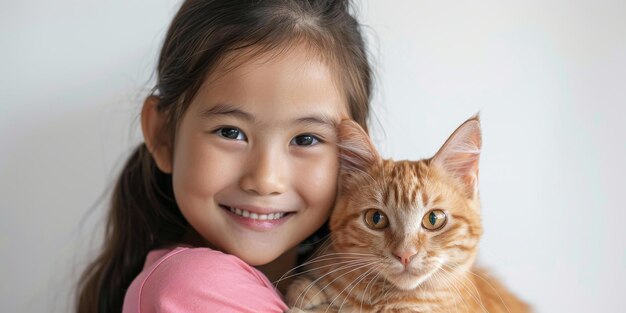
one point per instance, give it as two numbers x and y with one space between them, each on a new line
404 235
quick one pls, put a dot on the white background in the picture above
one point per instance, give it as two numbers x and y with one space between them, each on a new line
548 77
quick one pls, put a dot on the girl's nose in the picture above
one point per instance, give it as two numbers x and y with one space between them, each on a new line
265 175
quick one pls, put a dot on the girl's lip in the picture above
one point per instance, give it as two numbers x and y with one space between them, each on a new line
254 209
257 224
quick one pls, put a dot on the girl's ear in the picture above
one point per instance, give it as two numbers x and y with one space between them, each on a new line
152 126
459 155
356 150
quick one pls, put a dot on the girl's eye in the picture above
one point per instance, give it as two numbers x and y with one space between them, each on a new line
434 220
376 219
305 140
231 133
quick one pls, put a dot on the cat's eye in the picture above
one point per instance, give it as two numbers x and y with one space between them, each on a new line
375 219
434 220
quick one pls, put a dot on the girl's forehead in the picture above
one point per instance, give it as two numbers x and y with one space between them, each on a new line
287 61
292 80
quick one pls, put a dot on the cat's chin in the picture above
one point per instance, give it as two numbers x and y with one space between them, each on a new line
407 281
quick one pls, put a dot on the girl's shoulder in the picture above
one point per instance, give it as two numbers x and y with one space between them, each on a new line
178 260
185 264
182 279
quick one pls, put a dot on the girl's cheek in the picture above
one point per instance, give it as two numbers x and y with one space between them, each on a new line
221 145
317 176
207 165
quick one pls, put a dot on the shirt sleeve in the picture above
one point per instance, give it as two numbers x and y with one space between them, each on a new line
203 280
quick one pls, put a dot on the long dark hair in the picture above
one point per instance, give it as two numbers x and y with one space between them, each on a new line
143 213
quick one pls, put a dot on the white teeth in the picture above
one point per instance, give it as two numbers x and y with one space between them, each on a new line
256 216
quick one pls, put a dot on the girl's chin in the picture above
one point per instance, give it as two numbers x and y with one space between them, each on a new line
257 257
258 262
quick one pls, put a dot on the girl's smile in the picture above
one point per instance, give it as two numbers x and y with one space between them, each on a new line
255 163
256 218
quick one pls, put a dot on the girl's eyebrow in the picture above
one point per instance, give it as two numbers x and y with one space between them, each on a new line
322 120
222 108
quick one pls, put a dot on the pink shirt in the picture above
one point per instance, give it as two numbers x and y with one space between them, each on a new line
186 279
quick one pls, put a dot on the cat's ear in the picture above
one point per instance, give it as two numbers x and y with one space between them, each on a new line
356 150
459 155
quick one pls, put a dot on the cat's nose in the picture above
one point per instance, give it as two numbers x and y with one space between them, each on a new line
405 256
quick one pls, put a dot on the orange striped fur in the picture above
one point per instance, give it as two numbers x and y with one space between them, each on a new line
403 267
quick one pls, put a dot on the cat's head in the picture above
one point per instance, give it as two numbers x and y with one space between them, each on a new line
415 219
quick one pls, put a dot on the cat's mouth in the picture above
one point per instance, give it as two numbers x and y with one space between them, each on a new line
410 278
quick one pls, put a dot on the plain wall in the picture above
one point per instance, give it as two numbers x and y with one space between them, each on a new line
548 78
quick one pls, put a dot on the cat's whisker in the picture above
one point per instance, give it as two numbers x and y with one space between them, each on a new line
325 246
387 288
355 283
357 264
322 250
342 275
450 283
349 253
372 278
309 269
316 260
337 258
324 239
345 255
368 285
303 293
476 296
436 277
460 277
454 278
492 288
333 257
428 285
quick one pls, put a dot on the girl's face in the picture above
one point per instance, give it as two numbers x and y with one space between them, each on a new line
255 163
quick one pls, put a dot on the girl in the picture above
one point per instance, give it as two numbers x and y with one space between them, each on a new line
239 163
